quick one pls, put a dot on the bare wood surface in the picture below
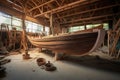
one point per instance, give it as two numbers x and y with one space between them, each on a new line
41 5
67 43
62 7
113 48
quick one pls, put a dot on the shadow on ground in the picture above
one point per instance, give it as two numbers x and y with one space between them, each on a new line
95 62
90 61
2 74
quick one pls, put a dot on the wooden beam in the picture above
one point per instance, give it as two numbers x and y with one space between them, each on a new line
39 2
86 22
117 25
65 7
25 2
96 9
55 21
14 0
57 3
24 38
10 11
41 5
11 5
95 17
62 2
116 39
36 5
51 24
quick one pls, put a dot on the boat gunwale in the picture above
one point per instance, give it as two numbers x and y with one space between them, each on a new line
62 37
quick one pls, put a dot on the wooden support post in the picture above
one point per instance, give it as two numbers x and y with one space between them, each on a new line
85 27
56 56
24 40
51 24
108 41
59 56
24 34
117 25
43 28
13 38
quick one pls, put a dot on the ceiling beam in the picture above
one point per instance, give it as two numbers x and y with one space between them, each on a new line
117 24
36 5
11 4
62 2
41 5
61 8
89 18
57 3
87 22
54 21
86 11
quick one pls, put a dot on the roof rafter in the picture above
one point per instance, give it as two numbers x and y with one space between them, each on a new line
41 5
86 22
36 5
58 3
88 18
96 9
65 7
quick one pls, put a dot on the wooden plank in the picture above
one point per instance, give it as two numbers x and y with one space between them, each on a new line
95 17
86 11
112 50
65 7
77 43
51 24
117 24
24 41
41 5
36 5
79 23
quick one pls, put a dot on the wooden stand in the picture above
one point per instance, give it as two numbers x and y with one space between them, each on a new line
40 49
26 55
59 56
56 56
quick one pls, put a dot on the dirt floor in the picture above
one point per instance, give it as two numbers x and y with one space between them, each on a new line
90 67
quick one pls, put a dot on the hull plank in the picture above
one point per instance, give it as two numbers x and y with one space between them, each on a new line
76 43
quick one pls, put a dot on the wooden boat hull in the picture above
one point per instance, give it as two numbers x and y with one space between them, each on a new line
78 43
